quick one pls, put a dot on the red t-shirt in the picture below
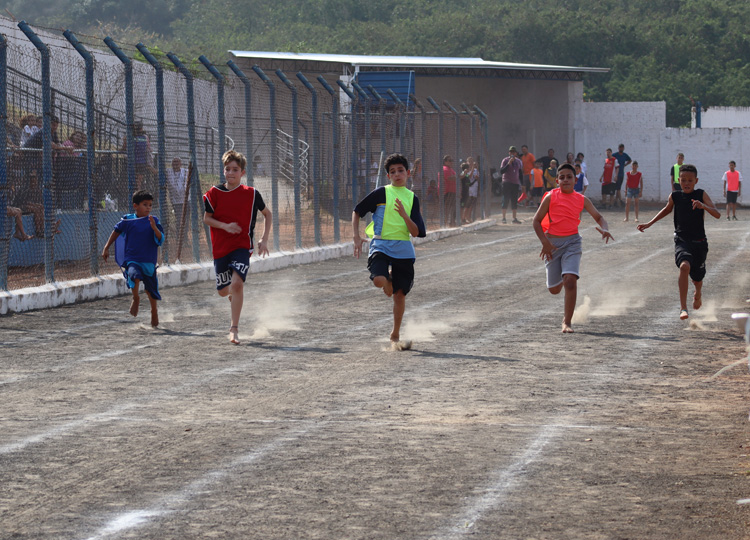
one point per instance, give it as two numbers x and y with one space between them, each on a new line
634 180
239 205
609 168
450 184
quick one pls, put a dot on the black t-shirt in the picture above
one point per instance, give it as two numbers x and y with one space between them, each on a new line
688 222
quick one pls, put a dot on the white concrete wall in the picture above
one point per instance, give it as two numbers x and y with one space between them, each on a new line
637 125
724 117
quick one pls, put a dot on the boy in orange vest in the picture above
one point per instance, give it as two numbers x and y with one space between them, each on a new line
561 243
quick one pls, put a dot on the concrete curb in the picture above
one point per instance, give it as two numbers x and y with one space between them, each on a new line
174 275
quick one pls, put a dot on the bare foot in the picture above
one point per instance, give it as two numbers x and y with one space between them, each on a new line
154 319
234 336
22 237
683 314
388 288
626 219
134 305
697 300
636 220
566 328
400 345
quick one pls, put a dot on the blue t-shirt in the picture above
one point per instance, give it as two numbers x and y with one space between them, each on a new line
141 244
622 160
397 249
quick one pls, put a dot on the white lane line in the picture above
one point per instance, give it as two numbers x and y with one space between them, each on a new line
501 483
174 501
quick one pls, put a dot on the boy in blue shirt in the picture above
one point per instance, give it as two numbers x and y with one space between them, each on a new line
142 236
395 219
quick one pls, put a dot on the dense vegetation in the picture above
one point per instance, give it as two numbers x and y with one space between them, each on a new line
668 50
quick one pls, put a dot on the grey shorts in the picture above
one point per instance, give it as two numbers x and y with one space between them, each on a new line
566 259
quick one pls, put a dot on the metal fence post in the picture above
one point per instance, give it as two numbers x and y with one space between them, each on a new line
248 119
315 156
220 104
49 211
335 137
161 139
354 144
457 120
484 180
129 111
90 155
383 125
196 190
4 233
441 176
295 159
274 156
368 143
401 119
422 150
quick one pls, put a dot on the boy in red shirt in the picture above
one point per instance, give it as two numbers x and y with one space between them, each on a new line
561 243
732 188
633 190
231 209
608 188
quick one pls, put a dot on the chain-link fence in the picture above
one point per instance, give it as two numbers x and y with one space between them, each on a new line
87 122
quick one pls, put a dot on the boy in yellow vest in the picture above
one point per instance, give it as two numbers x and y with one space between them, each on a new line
395 219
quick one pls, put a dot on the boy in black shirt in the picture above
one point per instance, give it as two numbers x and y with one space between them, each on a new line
690 244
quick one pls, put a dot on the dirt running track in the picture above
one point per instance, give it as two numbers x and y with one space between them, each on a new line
494 426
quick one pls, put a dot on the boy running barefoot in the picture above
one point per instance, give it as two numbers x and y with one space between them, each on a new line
231 210
143 234
561 243
395 219
690 244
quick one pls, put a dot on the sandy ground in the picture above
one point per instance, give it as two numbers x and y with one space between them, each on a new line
494 425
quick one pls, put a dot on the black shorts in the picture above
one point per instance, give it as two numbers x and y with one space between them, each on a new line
510 195
537 191
694 252
731 197
401 270
618 184
608 189
237 261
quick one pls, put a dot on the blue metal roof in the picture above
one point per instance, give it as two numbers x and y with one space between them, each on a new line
401 82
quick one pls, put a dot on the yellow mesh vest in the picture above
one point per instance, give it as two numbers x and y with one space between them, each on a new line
676 173
394 227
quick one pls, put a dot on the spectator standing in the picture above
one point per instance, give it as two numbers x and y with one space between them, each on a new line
528 159
548 158
623 160
550 176
608 187
732 188
177 178
674 172
511 168
449 190
583 163
634 191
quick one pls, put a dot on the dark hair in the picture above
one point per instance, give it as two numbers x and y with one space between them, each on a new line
142 195
565 166
395 159
688 168
634 163
733 163
464 166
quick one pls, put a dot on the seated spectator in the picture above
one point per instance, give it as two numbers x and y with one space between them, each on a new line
28 200
30 124
20 234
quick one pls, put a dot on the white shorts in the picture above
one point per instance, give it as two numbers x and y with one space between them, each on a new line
566 259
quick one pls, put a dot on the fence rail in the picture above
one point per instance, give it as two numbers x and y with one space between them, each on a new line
87 125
